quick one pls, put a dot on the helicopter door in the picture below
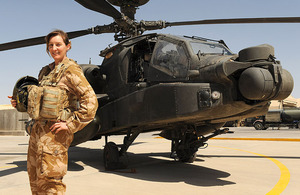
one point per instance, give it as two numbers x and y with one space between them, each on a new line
169 62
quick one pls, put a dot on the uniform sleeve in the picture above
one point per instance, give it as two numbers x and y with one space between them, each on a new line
88 102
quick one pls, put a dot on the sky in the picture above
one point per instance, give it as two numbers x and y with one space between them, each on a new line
33 18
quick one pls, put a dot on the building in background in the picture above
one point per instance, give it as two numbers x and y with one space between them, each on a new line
12 122
289 102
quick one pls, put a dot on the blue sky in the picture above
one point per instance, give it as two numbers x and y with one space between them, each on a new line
32 18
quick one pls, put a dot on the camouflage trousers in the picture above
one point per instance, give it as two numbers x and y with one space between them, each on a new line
47 159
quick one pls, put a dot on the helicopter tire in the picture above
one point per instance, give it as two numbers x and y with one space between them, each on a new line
192 158
111 156
123 162
189 159
259 125
186 156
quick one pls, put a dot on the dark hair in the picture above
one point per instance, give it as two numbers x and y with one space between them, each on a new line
54 33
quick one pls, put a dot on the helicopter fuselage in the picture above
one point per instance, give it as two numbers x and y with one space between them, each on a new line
163 82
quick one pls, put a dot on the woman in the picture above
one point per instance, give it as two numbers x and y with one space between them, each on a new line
50 136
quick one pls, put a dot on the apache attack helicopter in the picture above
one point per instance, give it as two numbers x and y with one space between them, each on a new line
184 87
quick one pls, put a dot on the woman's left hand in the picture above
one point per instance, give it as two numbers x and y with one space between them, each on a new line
59 126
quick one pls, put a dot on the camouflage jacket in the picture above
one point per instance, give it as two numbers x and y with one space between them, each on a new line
81 96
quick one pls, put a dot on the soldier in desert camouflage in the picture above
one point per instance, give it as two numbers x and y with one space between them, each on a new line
58 118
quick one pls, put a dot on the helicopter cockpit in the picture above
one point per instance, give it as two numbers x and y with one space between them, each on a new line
201 48
174 56
170 58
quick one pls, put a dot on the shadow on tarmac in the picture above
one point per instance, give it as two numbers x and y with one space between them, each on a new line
17 166
156 167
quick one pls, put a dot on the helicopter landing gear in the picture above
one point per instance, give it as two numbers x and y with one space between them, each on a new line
114 158
111 156
185 149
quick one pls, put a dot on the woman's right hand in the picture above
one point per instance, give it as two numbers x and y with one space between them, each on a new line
12 101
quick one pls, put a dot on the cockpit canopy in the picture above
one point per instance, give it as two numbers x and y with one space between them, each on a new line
209 48
170 58
174 55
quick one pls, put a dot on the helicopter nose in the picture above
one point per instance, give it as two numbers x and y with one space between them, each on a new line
258 84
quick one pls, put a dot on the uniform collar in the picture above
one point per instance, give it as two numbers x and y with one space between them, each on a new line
65 60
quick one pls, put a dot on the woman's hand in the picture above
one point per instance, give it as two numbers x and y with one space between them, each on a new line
59 126
12 101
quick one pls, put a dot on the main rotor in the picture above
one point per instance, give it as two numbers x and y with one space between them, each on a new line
125 25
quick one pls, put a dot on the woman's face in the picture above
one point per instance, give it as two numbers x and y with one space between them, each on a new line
58 49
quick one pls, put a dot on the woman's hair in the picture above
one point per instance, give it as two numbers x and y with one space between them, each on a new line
54 33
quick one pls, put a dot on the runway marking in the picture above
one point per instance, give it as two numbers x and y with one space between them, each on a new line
250 139
284 176
284 172
258 139
10 166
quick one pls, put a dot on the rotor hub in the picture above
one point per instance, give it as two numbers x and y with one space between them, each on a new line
128 7
135 3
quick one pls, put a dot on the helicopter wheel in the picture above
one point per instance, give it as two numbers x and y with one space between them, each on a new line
186 153
111 156
112 159
186 156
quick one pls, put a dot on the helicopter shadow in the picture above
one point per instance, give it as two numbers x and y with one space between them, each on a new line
158 167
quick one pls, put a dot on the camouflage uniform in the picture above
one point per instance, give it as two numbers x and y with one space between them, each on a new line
47 158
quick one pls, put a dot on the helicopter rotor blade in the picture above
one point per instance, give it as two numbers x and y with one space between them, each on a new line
237 21
101 6
40 40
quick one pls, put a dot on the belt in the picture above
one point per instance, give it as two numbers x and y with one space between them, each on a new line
45 121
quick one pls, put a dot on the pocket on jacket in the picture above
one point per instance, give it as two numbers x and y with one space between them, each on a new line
54 161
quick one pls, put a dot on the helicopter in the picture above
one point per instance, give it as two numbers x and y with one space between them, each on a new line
185 87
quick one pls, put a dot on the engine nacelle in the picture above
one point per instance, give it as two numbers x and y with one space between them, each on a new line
94 76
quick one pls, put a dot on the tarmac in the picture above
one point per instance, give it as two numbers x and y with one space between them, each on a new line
268 163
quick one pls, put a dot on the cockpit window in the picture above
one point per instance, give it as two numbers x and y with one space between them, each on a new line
209 48
170 58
